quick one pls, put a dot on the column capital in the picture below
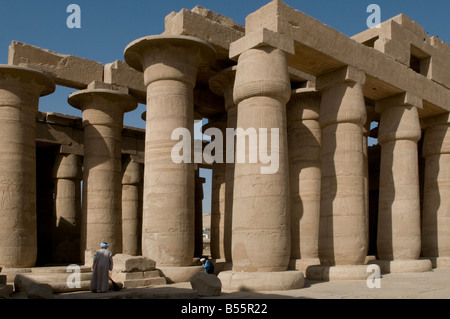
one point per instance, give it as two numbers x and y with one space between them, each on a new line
405 99
303 105
222 84
108 101
438 120
169 57
260 38
342 75
35 85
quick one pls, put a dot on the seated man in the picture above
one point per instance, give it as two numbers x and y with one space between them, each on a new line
209 267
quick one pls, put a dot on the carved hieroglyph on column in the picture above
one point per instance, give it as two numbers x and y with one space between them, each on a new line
131 206
304 141
223 84
170 65
399 242
103 111
342 233
436 198
261 239
67 174
20 89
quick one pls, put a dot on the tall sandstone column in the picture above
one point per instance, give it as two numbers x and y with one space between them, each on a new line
223 84
103 111
304 143
261 239
436 198
131 207
67 174
20 89
342 234
170 65
399 239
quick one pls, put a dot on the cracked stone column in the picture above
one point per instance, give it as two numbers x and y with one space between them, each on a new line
304 144
223 84
20 89
131 207
398 240
67 174
103 110
436 198
170 65
261 239
342 233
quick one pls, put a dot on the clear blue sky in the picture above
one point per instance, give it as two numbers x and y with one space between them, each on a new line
108 26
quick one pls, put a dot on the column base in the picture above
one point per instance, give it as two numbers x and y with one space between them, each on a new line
261 281
339 272
303 264
438 262
403 266
179 274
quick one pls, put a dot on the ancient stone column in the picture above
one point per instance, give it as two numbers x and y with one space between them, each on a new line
131 206
67 174
218 187
223 84
103 111
170 65
198 215
304 144
342 233
398 239
20 89
436 197
261 239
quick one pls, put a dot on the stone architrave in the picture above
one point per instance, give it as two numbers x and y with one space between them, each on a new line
399 233
261 217
304 144
67 174
342 230
131 207
436 198
170 65
20 89
223 84
103 111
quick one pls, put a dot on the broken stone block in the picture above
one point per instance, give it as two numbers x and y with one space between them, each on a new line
206 284
33 289
127 263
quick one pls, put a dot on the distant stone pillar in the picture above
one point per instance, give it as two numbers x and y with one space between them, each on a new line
223 84
67 174
218 191
304 144
199 195
261 239
103 111
436 197
131 207
170 65
342 233
399 242
20 89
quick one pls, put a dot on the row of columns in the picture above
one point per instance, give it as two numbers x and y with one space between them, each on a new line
314 207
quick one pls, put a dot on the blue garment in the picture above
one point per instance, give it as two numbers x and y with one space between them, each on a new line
209 267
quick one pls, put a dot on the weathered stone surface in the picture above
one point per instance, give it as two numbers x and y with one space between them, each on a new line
66 70
127 263
32 288
206 284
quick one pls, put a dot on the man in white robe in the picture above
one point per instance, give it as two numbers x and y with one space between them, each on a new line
103 263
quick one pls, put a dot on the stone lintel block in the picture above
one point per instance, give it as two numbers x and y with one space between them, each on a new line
345 74
403 99
72 149
409 24
205 25
106 86
120 74
66 70
261 37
